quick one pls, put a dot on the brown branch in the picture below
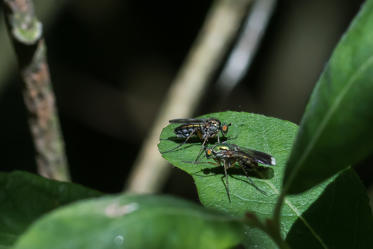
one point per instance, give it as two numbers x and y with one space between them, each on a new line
26 33
220 28
48 11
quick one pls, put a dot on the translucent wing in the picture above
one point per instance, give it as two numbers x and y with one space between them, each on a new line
258 156
187 121
262 157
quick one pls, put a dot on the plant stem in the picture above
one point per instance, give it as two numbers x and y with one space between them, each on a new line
48 12
26 33
269 227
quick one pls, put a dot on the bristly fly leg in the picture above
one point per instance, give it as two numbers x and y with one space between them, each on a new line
226 166
251 181
186 140
201 150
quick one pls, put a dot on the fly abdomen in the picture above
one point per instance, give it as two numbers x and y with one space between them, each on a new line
248 163
184 131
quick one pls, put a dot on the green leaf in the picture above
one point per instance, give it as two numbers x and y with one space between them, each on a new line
340 217
129 221
269 135
25 197
336 129
304 211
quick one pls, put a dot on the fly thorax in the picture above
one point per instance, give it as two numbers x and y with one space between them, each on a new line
212 130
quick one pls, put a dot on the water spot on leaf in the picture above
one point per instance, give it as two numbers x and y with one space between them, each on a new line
118 240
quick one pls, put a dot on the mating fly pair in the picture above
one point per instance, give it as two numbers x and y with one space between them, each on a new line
205 129
227 155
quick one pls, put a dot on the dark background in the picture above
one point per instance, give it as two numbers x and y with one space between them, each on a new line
112 62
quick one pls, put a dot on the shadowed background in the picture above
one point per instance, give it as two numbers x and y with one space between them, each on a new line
112 62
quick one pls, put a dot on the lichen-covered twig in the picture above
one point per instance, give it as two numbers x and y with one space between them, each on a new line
26 34
48 11
205 57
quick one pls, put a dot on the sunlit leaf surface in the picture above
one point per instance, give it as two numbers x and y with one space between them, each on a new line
309 220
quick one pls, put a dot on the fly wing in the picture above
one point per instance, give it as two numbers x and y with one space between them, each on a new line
258 156
261 157
187 121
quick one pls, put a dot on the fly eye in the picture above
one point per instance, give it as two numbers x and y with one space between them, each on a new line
225 128
208 153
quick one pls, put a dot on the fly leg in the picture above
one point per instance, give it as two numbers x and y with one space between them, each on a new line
186 140
251 181
226 138
226 166
201 150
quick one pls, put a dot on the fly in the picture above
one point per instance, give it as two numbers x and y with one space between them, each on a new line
204 129
227 155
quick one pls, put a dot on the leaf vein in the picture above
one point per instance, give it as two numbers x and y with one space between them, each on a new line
292 207
296 211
